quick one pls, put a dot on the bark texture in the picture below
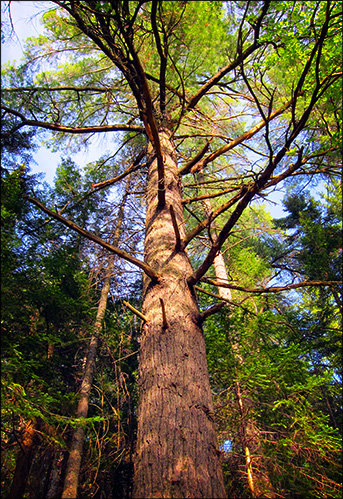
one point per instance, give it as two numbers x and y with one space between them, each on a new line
177 453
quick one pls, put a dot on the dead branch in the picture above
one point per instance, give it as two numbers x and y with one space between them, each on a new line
122 254
135 311
271 289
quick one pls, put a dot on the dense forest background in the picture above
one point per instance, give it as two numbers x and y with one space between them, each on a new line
251 92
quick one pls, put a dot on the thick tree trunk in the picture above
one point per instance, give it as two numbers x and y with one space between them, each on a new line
177 453
75 456
23 463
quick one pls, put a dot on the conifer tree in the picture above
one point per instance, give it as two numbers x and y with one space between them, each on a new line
199 82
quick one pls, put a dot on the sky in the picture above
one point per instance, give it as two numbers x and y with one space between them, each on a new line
25 16
26 23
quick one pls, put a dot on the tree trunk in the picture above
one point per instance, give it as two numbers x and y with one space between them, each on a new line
23 463
225 293
177 453
75 456
54 488
247 433
258 482
74 460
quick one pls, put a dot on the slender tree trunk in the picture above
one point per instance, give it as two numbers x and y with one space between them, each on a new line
225 293
74 460
246 433
259 483
23 462
75 456
54 489
244 439
177 453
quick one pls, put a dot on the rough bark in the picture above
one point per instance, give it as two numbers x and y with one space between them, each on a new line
23 462
75 456
177 453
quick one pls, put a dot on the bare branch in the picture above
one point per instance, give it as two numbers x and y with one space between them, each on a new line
218 76
254 189
233 143
198 288
58 89
205 223
135 311
170 88
212 310
176 228
208 196
106 183
147 111
71 225
68 129
163 65
187 167
164 316
299 163
272 289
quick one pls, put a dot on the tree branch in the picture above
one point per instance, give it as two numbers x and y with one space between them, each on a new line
147 112
292 169
271 289
110 48
208 196
164 316
58 88
71 225
106 183
163 65
233 143
218 76
176 228
187 167
135 311
254 189
68 129
168 87
202 225
212 310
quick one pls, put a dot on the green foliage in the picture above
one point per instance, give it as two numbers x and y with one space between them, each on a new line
285 401
45 298
281 357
